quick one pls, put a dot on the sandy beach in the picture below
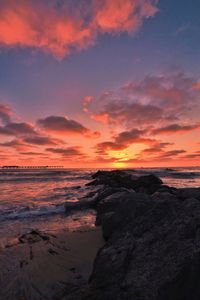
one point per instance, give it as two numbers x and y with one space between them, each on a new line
39 266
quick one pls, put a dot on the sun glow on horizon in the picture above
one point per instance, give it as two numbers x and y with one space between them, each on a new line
119 165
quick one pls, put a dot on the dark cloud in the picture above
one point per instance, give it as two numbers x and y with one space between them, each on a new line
42 140
62 125
129 113
194 155
159 156
102 148
30 153
171 154
174 128
5 113
17 144
133 136
67 152
157 148
17 129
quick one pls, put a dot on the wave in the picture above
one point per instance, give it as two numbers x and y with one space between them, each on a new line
40 177
170 173
27 212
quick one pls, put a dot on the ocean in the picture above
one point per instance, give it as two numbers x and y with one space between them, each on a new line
34 198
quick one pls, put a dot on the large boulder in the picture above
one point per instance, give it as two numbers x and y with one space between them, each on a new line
111 202
148 183
152 250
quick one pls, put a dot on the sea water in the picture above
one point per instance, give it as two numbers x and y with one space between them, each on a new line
35 198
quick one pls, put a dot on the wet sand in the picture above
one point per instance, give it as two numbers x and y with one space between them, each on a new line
45 266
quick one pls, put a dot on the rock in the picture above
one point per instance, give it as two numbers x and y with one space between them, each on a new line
115 178
148 183
33 236
111 202
152 250
167 189
79 205
109 173
185 193
162 196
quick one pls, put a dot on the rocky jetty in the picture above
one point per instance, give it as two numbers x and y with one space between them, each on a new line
152 234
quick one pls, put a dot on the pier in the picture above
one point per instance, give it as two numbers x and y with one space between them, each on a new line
31 167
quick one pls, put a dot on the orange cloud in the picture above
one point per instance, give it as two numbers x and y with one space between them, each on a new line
101 117
123 140
196 85
61 30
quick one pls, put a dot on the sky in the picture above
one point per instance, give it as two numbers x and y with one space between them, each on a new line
100 83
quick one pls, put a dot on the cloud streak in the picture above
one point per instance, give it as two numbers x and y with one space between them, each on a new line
174 128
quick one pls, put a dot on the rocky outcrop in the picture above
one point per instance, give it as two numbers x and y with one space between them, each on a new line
152 248
107 183
149 183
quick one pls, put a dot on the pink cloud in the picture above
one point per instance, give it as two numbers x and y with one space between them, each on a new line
156 100
122 15
59 31
86 102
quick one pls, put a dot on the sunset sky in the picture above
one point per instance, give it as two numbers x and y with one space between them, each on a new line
100 83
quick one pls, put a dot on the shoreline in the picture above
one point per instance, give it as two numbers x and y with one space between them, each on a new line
44 266
131 255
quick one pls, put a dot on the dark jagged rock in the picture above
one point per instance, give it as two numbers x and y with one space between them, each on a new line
186 193
92 199
111 202
116 178
152 250
101 194
33 236
152 234
148 183
79 205
165 195
108 173
168 189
